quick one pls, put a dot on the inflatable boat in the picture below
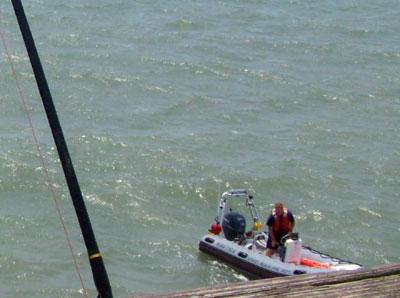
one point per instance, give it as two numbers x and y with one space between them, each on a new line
228 241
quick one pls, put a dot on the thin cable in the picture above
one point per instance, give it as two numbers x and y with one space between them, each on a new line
43 164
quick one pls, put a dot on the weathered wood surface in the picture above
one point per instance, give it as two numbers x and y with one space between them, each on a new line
382 281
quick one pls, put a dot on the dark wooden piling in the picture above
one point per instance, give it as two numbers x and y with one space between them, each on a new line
382 281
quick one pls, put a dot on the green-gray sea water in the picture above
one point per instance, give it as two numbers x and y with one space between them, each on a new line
162 101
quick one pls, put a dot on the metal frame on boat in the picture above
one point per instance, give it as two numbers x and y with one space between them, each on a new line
245 251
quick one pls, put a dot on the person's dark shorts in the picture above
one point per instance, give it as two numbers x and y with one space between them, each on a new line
278 237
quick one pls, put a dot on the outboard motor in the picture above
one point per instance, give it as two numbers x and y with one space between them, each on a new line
233 225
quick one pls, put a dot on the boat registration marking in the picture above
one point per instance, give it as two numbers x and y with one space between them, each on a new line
226 247
254 261
269 267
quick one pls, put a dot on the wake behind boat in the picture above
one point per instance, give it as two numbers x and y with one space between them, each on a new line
245 251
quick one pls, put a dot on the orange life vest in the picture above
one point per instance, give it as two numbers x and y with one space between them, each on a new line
313 263
281 221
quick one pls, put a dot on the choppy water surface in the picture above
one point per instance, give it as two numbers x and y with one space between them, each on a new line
296 101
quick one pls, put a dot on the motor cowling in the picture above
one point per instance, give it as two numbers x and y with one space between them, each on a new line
233 225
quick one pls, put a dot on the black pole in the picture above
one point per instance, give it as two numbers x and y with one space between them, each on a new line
96 262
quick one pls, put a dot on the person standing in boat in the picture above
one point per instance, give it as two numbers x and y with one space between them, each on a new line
280 223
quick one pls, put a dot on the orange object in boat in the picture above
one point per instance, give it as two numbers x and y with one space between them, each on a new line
313 263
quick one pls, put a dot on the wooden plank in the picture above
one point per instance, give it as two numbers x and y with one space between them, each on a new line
381 281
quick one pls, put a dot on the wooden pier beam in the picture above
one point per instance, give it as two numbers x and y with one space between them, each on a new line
382 281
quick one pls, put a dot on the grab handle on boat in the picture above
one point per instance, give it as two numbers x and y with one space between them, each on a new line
243 255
